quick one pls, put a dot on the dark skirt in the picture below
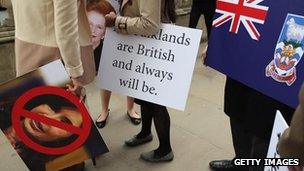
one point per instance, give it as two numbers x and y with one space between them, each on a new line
97 55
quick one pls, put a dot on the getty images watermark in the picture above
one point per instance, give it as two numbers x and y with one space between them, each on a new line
267 162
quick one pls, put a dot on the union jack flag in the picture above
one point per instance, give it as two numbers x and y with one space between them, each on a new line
246 11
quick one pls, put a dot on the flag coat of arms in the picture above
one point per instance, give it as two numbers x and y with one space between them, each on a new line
260 43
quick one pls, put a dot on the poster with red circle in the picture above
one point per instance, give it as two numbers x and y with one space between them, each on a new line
46 124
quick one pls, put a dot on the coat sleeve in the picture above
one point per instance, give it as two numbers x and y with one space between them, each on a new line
147 23
66 31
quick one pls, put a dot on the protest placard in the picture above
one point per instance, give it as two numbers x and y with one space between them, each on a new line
154 68
279 127
49 127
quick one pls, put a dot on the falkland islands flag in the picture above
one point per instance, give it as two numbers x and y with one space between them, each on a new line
260 43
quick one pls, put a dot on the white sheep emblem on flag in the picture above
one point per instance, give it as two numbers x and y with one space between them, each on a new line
294 31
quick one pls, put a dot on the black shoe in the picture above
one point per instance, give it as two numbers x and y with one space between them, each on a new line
151 157
3 8
137 141
102 124
223 165
135 121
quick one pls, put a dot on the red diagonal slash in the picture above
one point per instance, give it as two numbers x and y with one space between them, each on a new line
49 121
19 112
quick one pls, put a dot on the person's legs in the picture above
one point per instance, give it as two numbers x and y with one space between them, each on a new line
162 126
130 108
242 140
195 14
144 135
259 150
208 9
236 107
105 100
146 115
242 143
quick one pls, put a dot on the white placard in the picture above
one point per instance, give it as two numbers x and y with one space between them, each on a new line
157 69
54 73
279 127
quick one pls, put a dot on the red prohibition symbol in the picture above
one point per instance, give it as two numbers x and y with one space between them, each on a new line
18 112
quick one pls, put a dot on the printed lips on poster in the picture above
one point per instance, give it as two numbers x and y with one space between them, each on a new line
260 43
47 126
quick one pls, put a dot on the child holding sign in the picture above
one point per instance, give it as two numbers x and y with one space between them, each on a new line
96 11
143 17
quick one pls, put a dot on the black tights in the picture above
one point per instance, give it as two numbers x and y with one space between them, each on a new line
201 7
162 125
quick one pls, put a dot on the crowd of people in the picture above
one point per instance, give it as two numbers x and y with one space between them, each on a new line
76 31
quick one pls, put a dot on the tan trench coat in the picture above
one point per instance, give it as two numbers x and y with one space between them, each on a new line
139 17
47 30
